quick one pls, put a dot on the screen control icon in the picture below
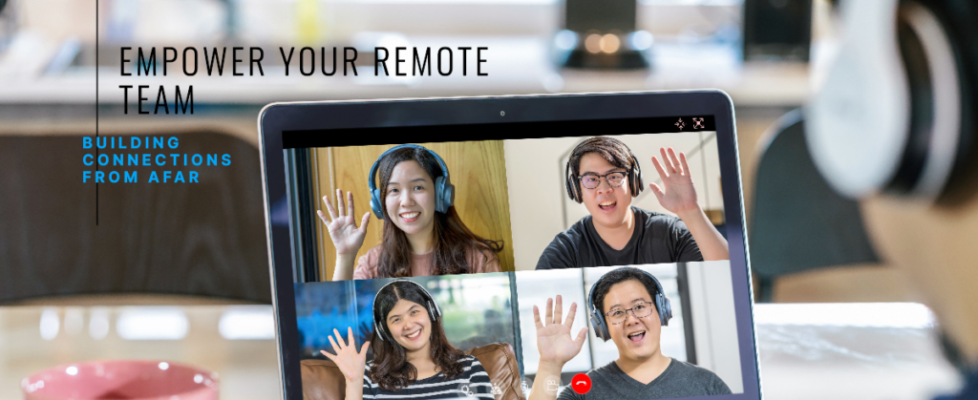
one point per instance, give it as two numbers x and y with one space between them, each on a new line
581 383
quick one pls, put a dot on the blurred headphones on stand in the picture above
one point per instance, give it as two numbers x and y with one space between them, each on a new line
896 114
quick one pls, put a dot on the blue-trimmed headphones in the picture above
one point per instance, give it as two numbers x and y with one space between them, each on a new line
597 317
444 190
433 311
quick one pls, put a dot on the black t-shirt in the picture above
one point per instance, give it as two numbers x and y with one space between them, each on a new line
680 379
658 238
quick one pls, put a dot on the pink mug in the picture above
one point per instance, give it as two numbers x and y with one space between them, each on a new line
121 379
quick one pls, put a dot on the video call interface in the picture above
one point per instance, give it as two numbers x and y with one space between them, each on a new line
588 267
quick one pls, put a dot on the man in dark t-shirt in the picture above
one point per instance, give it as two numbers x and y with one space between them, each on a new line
680 379
658 238
626 306
605 175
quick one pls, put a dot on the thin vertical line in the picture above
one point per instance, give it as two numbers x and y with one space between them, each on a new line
332 170
331 162
706 309
319 226
706 176
96 110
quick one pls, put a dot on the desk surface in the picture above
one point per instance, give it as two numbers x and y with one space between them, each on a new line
826 357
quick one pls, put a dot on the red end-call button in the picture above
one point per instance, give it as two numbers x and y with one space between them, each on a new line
581 383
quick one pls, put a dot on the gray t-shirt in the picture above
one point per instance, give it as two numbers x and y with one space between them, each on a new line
658 238
680 379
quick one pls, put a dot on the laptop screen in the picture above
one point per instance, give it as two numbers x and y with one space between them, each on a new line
572 259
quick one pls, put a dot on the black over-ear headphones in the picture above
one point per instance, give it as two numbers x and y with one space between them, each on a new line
573 180
433 311
896 112
596 315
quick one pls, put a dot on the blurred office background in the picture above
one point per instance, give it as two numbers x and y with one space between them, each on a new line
857 336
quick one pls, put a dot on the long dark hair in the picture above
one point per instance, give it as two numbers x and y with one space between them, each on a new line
390 369
452 238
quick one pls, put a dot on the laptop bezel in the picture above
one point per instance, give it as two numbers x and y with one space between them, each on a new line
277 118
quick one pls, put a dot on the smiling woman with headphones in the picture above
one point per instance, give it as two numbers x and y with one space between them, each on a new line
412 356
423 234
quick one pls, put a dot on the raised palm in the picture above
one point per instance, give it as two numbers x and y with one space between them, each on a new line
342 227
350 362
553 336
677 193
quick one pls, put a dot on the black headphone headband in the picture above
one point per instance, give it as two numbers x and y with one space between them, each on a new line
434 312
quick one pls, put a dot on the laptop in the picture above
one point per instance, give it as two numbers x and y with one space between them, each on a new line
578 246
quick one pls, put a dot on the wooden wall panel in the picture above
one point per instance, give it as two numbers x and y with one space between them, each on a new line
324 173
477 169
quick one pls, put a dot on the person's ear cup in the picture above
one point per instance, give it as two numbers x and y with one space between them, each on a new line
446 195
375 203
600 329
634 183
444 190
450 195
891 117
857 123
664 307
381 332
433 310
637 172
440 194
572 184
958 20
943 69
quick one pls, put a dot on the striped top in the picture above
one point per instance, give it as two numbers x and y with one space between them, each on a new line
473 383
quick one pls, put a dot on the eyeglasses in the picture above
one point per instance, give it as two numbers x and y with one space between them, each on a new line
640 310
591 180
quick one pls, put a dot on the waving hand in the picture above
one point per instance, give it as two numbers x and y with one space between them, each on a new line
350 362
554 337
677 193
343 231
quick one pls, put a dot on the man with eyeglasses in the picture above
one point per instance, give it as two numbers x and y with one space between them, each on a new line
626 300
604 174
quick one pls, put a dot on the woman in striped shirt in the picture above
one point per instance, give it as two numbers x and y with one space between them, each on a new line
412 357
